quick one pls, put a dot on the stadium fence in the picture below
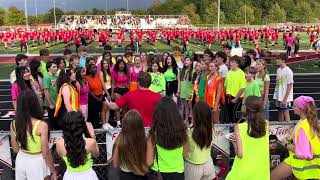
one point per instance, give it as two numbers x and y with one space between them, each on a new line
106 138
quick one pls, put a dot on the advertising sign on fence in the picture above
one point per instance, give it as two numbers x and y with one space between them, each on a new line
5 158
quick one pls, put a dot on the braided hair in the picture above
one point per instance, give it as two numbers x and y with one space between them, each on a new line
73 130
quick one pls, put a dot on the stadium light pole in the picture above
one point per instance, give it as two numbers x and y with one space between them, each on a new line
245 13
218 14
26 14
106 7
127 5
35 6
54 14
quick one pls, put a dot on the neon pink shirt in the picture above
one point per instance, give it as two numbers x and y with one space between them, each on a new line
120 81
14 91
84 92
303 147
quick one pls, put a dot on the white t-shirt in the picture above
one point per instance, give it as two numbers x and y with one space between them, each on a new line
223 70
284 78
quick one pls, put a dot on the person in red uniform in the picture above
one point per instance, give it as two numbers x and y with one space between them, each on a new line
170 37
139 36
312 38
142 99
119 37
23 42
77 42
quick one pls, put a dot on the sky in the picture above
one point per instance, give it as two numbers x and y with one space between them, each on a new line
44 5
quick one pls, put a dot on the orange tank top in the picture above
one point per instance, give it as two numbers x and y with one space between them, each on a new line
211 90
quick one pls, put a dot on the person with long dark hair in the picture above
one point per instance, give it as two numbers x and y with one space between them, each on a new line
22 83
84 91
186 88
95 95
68 96
167 141
106 81
36 79
77 147
172 75
158 83
29 138
129 151
120 83
251 144
303 144
199 164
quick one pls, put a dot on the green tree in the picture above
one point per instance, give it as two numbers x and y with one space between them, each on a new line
14 16
304 12
190 10
211 14
2 15
49 17
245 13
276 14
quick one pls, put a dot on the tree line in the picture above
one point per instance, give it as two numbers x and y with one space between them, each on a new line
199 11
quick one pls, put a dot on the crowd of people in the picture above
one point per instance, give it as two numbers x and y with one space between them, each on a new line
179 96
259 39
121 20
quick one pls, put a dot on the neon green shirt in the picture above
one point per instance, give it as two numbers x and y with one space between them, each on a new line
158 83
169 75
255 162
43 68
170 161
87 165
235 80
197 155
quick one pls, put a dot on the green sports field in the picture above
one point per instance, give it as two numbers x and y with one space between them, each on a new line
160 47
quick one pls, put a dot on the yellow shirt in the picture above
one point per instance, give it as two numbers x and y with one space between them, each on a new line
235 80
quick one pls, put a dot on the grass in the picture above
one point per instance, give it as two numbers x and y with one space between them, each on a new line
159 47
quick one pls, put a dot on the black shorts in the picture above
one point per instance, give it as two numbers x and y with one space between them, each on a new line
121 91
105 95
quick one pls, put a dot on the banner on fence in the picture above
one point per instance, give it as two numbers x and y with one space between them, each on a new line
5 158
220 140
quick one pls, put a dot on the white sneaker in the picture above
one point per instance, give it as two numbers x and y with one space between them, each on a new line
107 126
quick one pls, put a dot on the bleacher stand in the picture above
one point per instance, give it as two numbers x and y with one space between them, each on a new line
123 19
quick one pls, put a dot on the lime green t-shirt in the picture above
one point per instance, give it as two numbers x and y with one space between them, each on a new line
158 83
169 75
261 82
195 154
43 68
255 162
50 83
252 89
170 161
235 80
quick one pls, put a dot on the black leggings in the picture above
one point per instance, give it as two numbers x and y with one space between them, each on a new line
94 111
131 176
171 88
171 176
296 49
232 109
